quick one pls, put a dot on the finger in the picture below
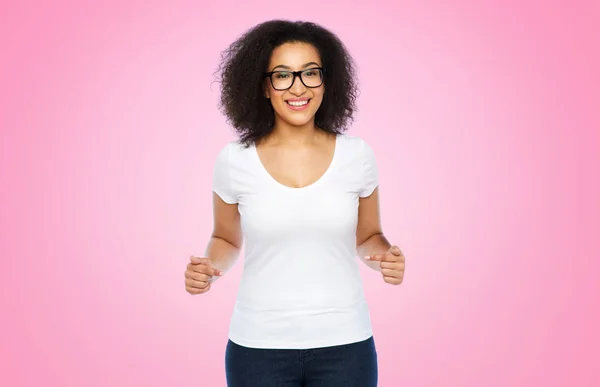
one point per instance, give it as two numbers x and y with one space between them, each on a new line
197 290
199 263
392 273
197 276
205 269
387 257
376 257
192 283
210 271
392 280
398 265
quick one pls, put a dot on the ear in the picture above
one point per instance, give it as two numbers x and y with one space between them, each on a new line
266 89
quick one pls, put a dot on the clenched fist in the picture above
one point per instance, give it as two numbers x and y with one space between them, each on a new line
392 265
200 273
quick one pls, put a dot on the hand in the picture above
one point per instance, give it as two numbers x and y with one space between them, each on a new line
392 265
199 275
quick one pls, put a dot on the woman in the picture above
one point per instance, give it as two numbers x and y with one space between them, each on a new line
303 196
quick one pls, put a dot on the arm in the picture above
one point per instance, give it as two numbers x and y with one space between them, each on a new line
369 235
226 241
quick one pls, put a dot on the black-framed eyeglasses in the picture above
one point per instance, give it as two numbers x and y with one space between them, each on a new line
284 79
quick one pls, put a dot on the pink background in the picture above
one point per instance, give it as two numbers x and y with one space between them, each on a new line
485 119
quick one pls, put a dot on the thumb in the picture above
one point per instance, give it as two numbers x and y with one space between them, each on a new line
395 250
213 271
200 261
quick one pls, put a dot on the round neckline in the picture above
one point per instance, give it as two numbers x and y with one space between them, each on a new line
313 184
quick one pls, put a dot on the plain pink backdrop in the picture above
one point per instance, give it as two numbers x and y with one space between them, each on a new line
485 120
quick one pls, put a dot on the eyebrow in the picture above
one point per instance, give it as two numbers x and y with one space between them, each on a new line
289 68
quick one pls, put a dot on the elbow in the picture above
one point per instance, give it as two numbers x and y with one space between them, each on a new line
235 242
368 237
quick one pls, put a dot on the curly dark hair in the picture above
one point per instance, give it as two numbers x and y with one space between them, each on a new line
245 61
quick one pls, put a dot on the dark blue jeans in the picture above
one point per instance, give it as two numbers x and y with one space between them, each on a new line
349 365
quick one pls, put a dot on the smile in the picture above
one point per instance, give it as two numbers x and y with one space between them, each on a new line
298 104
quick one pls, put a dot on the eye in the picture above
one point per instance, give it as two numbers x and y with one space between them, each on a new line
282 75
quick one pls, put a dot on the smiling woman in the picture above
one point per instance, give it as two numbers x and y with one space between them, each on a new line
303 197
286 47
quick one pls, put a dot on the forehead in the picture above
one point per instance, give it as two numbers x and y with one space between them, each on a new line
294 55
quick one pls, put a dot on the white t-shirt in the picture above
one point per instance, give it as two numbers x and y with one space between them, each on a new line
301 286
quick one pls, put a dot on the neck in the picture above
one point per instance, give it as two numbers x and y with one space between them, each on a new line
284 133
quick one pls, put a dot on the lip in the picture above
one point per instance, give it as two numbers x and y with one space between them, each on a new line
298 108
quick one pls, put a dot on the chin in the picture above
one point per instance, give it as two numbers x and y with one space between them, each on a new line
298 121
297 118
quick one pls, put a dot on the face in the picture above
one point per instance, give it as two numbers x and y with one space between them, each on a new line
297 105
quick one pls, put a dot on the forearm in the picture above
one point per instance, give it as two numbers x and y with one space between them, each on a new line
222 253
376 244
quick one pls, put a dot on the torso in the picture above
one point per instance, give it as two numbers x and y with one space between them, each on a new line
301 286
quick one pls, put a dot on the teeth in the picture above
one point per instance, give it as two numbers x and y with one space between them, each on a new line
297 103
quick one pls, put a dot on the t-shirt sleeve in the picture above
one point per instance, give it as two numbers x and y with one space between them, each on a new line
222 184
370 171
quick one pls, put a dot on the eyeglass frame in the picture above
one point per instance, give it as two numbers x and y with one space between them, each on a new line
296 74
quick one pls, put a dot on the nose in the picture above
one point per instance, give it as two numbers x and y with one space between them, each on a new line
298 87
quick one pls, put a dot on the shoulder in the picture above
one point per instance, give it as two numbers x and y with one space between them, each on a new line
361 157
229 170
233 147
233 152
356 145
